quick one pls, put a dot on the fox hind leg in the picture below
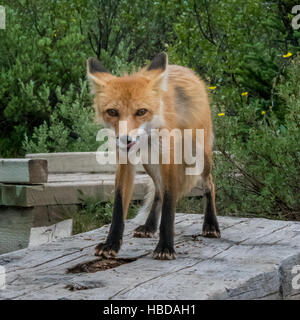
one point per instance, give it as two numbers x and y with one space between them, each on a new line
152 206
148 229
210 227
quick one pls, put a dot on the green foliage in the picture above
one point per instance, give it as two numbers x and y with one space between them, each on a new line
94 213
190 205
70 125
238 46
43 54
257 170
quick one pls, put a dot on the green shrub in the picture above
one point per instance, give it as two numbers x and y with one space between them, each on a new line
43 53
70 126
257 169
237 46
41 50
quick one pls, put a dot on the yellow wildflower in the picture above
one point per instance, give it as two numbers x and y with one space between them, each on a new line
221 114
263 112
289 54
55 35
212 88
244 94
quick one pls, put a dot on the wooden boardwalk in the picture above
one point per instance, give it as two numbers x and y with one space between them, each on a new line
37 191
254 259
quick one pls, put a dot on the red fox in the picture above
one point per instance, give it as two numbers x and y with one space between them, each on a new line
158 96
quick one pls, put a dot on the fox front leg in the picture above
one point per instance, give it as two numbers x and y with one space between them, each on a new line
123 192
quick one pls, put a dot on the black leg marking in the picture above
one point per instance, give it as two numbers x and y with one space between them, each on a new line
113 242
149 228
165 248
210 225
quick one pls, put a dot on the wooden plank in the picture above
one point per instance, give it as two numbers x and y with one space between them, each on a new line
73 162
63 189
65 192
14 228
17 224
252 260
41 235
31 171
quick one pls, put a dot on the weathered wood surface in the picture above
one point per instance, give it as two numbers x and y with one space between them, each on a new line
14 229
252 260
73 162
41 235
63 189
71 175
31 171
66 189
16 223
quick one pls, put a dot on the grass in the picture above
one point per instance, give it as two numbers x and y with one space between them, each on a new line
94 213
190 205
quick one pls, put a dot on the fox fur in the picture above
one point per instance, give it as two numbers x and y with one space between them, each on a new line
165 97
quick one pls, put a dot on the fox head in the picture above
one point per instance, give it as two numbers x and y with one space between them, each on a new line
132 99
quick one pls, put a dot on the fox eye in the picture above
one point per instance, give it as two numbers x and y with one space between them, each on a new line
141 112
112 112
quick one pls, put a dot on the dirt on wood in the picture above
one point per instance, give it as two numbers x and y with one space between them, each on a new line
99 265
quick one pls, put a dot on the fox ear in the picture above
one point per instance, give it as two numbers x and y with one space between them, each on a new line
97 74
158 71
159 62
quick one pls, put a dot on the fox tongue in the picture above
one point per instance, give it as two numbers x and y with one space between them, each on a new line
130 145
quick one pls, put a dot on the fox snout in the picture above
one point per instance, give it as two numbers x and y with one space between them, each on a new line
125 142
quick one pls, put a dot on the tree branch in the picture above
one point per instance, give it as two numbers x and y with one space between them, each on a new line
198 18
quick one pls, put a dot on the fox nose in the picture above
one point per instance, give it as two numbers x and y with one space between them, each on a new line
126 140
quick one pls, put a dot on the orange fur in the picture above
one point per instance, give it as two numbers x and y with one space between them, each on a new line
177 98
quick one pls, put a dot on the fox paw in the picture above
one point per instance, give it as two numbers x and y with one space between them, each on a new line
211 231
107 250
143 232
164 253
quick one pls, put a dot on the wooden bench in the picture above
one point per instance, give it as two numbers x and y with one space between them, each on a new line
38 190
